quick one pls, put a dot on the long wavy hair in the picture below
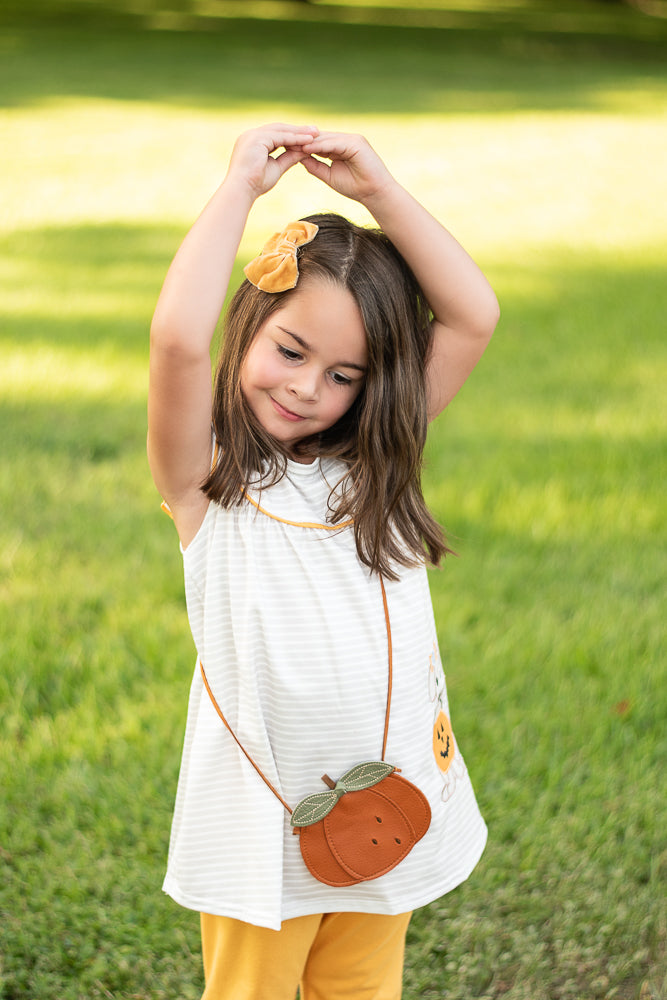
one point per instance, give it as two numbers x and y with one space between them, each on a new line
381 437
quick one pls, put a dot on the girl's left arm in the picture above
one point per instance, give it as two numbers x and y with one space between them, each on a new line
465 308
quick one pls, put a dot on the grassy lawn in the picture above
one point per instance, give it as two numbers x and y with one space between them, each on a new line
536 132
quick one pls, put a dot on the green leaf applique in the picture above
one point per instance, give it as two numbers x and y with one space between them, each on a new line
364 775
315 807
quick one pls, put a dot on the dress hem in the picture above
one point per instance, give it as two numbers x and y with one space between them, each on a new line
173 890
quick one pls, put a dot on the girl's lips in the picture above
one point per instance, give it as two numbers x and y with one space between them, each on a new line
284 412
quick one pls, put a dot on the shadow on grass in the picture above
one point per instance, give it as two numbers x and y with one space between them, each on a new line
58 273
326 65
85 286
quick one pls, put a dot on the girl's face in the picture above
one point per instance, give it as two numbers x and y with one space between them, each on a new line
307 363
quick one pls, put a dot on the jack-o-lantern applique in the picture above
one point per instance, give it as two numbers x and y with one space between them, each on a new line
446 754
443 743
445 751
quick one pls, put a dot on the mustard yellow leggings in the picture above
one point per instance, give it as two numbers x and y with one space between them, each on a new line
330 956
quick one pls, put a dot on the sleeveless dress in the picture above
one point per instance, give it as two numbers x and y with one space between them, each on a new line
291 629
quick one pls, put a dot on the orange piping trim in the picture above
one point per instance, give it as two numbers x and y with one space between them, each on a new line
299 524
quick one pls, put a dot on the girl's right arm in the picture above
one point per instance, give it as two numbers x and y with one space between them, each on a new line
186 316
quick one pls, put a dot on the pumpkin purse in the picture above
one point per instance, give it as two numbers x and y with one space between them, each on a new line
365 823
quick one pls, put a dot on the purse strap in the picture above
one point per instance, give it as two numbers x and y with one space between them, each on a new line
386 718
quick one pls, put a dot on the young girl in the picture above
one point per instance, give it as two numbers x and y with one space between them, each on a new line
295 489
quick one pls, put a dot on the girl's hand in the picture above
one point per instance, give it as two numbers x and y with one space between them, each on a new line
251 161
464 307
356 171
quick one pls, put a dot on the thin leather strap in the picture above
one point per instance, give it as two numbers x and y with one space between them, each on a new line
218 710
390 669
386 718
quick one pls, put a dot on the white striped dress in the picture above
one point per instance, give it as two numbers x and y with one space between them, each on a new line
291 629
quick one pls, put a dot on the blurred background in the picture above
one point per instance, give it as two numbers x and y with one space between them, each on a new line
535 131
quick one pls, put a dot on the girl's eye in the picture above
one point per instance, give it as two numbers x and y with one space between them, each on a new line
288 354
340 379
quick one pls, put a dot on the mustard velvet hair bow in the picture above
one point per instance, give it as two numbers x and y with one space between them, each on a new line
275 269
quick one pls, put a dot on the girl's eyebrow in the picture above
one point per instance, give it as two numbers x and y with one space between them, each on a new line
306 347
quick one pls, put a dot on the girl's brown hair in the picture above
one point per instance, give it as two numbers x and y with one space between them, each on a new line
381 437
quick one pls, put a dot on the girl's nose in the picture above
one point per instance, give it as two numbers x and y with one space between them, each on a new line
304 385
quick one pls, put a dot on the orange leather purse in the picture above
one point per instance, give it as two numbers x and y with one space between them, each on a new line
366 822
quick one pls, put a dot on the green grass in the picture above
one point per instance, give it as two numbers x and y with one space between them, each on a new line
537 134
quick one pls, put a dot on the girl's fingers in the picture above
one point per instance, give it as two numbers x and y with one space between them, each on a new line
267 139
335 144
285 127
253 155
287 159
279 135
317 168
